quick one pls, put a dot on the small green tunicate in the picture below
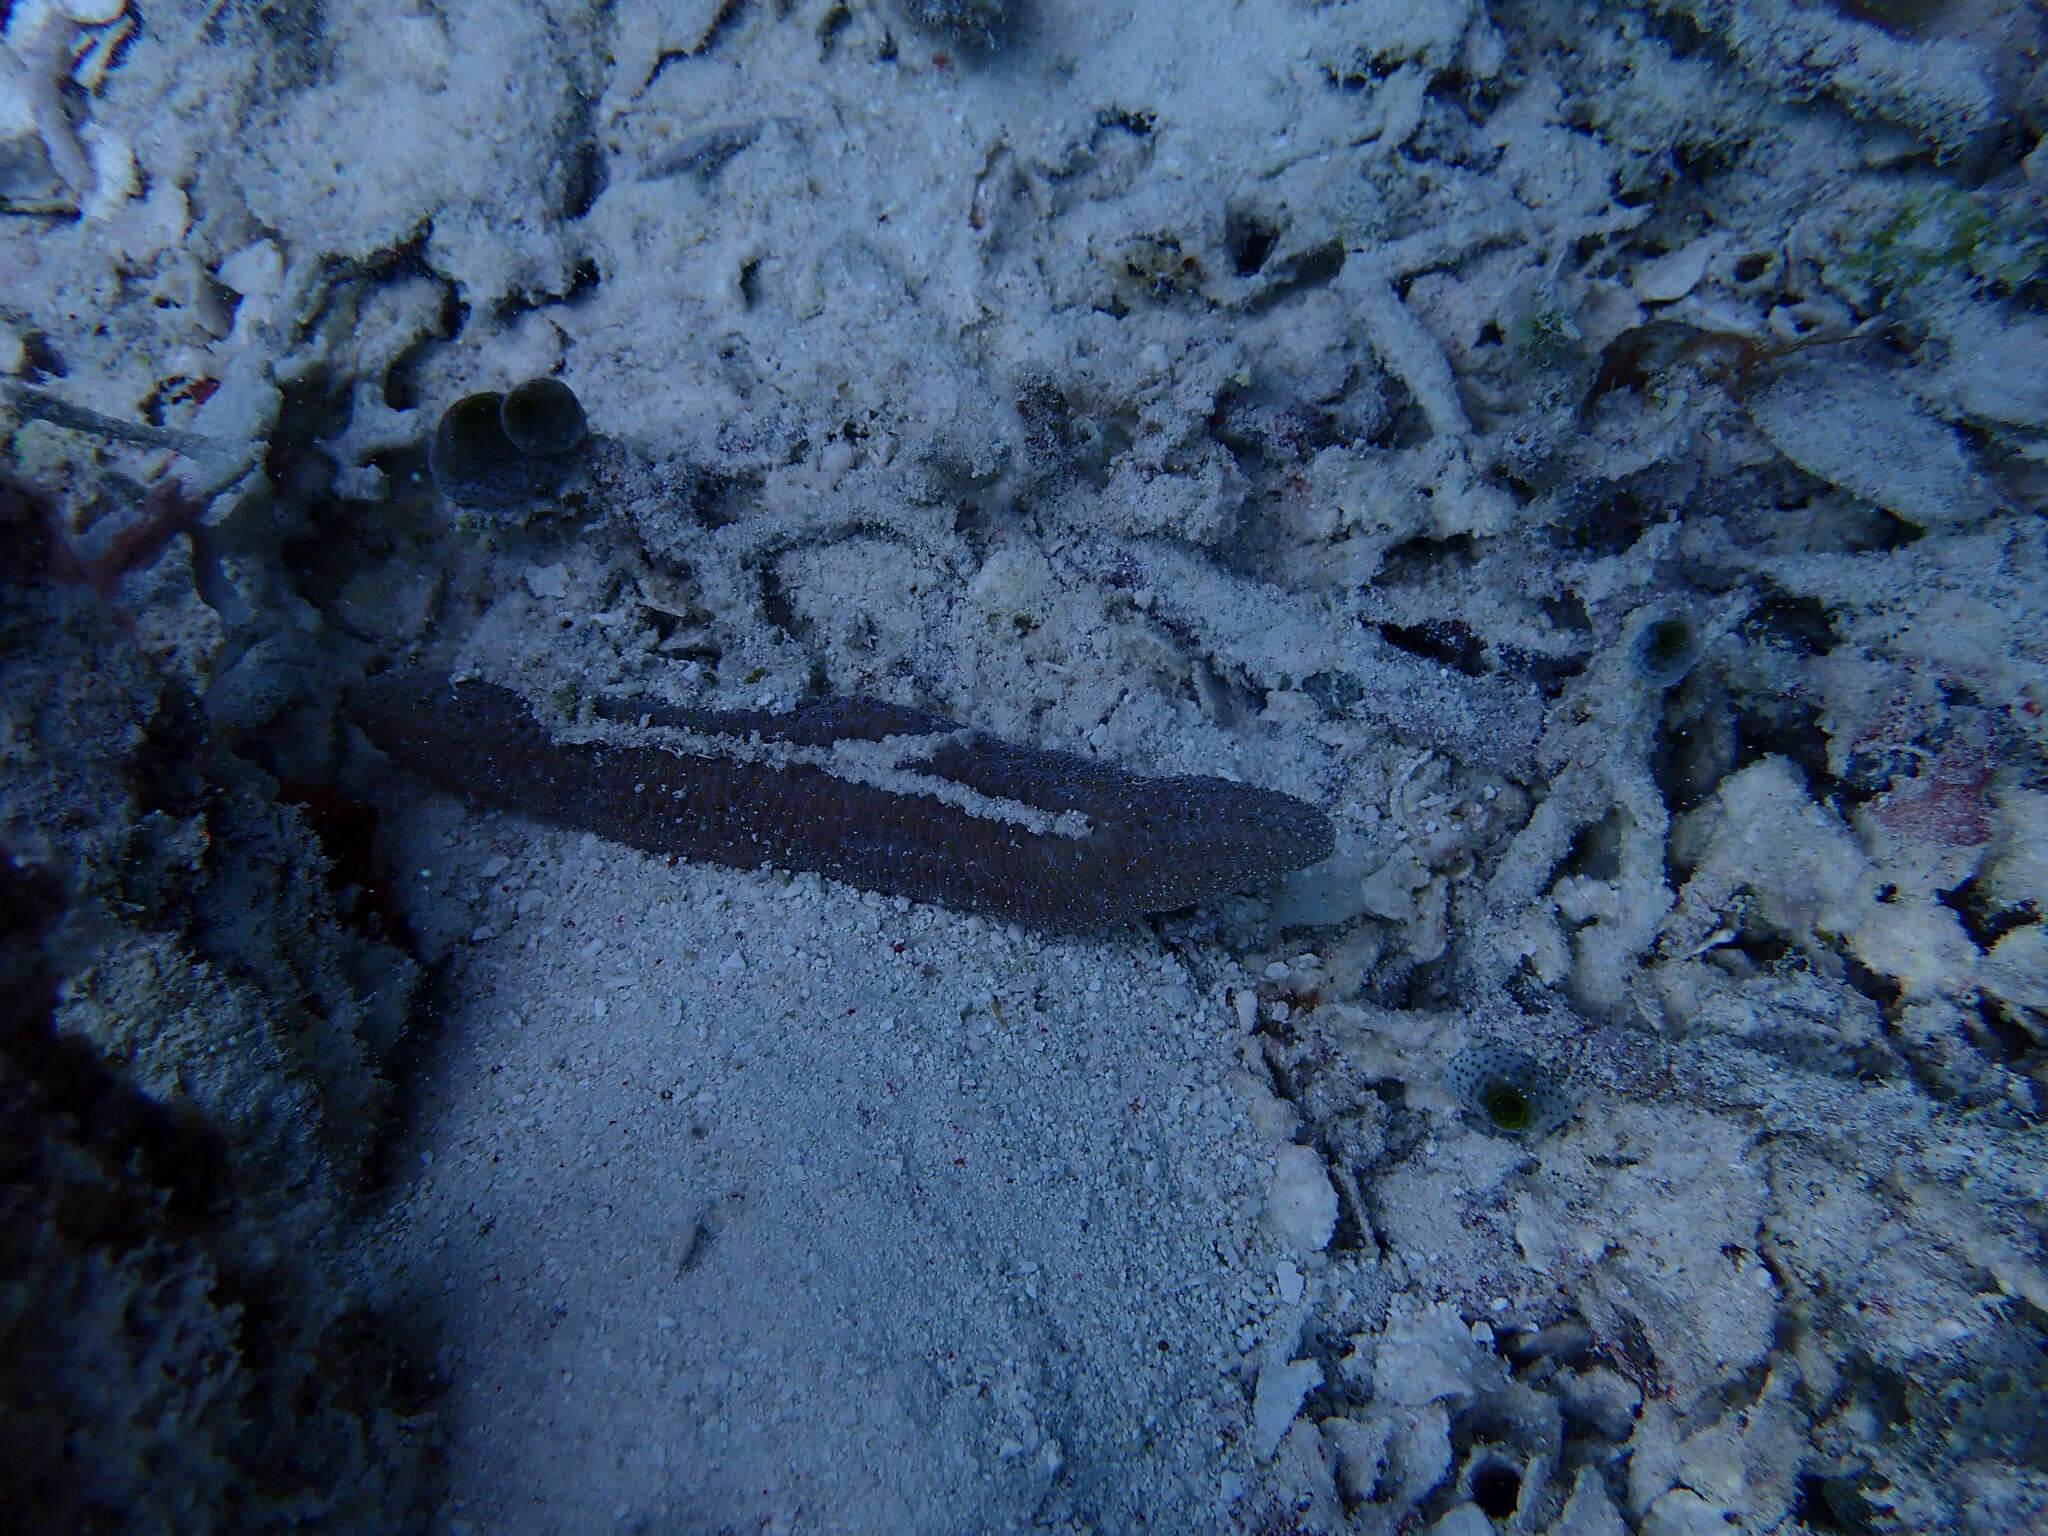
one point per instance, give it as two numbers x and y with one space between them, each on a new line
496 453
1512 1092
543 417
472 461
1665 650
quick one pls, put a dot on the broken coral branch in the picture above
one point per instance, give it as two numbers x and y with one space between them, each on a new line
173 504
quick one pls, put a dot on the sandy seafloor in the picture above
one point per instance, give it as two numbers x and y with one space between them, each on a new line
1593 452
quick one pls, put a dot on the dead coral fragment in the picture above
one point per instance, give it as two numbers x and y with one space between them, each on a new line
1861 430
1510 1090
41 63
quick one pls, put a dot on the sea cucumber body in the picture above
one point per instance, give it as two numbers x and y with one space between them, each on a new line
1149 844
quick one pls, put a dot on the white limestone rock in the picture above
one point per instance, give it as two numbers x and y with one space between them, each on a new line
1301 1204
1276 1400
1859 429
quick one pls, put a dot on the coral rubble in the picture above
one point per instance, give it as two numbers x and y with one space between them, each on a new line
1593 454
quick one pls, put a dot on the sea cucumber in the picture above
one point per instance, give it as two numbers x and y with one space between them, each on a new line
882 797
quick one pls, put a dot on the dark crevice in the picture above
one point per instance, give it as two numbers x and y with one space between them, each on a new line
1695 746
703 155
584 175
1699 162
1596 851
1793 621
1881 990
1415 560
401 379
1315 267
1830 1504
1985 921
1547 670
1777 726
1497 1490
1765 949
1602 520
835 21
1250 240
1901 18
583 281
167 771
1448 642
1405 424
777 608
339 542
1334 692
721 24
2003 1038
312 411
40 360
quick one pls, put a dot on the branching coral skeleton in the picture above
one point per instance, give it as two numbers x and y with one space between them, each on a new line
171 505
38 53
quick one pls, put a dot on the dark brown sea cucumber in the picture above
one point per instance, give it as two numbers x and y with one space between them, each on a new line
882 797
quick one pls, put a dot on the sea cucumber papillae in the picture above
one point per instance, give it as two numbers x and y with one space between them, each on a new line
879 796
